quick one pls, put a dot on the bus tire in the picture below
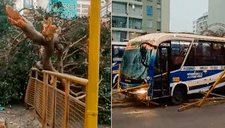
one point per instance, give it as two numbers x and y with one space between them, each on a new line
179 95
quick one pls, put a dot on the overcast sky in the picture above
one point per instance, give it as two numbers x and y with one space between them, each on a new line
184 12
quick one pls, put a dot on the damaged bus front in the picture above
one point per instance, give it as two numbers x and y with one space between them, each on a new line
137 67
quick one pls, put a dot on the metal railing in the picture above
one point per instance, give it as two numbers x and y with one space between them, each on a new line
55 107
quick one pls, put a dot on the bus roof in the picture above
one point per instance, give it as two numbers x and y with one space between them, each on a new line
157 37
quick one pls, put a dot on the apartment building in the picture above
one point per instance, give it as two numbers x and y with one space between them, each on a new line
212 20
83 5
131 18
79 7
200 24
216 18
216 10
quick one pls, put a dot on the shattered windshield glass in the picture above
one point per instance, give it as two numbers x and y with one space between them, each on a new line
132 68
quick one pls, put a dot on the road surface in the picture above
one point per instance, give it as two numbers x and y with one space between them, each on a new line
137 115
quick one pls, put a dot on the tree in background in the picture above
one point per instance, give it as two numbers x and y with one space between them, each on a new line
18 54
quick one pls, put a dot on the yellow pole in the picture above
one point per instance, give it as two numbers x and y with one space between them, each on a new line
211 89
118 82
91 107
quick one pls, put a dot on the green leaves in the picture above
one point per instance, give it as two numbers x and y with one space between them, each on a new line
14 76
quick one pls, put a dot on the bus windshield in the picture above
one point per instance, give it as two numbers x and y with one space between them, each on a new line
132 68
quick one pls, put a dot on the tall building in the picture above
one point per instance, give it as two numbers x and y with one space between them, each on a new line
200 24
216 19
213 20
216 10
132 18
83 5
81 9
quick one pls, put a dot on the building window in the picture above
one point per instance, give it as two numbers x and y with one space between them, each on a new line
158 25
119 8
135 23
158 1
85 6
85 11
149 23
119 36
135 9
158 12
119 22
149 11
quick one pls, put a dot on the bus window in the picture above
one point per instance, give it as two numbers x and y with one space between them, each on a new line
218 52
206 54
191 58
178 53
203 54
200 54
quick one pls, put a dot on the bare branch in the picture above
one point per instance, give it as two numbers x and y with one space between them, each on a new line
70 46
81 97
70 64
71 54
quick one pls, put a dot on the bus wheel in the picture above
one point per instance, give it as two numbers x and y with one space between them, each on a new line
179 95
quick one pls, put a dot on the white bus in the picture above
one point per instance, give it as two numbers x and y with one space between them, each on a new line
172 64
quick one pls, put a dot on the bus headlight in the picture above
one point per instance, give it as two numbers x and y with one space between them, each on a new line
142 93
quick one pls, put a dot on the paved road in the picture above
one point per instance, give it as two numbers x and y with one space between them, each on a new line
140 116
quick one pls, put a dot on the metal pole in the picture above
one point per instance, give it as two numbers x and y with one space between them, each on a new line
211 89
91 107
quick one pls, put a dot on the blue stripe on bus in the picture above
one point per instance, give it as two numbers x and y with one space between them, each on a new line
183 75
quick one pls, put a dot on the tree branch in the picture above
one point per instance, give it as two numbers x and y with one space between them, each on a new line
71 45
70 64
71 54
21 22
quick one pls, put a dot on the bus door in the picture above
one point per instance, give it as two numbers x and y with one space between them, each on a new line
162 71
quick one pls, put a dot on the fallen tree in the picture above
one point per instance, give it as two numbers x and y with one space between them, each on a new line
48 38
17 53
